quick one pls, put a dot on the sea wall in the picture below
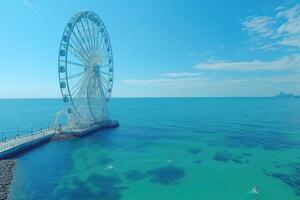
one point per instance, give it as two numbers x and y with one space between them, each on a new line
6 175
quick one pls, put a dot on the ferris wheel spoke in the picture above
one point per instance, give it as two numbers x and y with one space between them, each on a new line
75 91
101 46
106 76
91 96
104 83
106 73
95 93
85 34
90 34
91 38
82 43
99 88
98 85
103 92
80 92
87 38
97 53
106 58
104 53
95 47
78 85
96 88
94 99
75 75
94 37
97 31
105 62
98 42
104 66
78 54
77 64
103 57
86 79
108 84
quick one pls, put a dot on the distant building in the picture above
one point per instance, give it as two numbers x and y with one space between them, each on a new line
285 95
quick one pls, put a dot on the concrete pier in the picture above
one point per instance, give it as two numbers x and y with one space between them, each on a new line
17 145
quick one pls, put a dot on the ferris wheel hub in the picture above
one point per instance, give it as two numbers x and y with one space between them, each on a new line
97 69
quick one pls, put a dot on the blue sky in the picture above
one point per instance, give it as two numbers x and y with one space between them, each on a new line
161 47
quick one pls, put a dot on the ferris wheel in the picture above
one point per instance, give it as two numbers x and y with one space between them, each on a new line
85 67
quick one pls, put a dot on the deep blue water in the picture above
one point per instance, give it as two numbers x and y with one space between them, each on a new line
165 148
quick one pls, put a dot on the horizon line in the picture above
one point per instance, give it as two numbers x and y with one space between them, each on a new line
149 97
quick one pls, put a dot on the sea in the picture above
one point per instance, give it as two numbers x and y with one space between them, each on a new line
164 149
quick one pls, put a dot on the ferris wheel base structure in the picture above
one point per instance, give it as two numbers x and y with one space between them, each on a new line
78 132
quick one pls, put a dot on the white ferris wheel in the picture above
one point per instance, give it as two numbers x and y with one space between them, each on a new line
85 69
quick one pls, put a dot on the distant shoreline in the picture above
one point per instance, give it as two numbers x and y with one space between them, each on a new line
220 97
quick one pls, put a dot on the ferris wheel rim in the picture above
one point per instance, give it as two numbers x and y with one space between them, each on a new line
69 28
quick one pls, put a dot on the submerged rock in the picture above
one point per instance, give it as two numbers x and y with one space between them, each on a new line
166 175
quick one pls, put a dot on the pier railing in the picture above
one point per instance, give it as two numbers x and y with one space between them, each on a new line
17 140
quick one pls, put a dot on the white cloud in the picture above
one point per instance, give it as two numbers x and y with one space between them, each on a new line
199 86
201 80
158 81
291 41
29 4
267 47
291 63
204 83
290 30
282 28
259 25
181 74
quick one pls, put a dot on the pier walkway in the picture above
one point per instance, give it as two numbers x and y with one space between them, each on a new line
12 146
18 144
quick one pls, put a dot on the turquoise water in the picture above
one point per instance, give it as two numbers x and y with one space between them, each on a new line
165 148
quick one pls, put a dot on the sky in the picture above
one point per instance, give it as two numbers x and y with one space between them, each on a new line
161 48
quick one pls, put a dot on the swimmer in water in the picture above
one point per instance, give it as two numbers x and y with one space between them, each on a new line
170 160
255 190
109 167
